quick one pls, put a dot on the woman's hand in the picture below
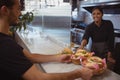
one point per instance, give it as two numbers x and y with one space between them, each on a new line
83 44
81 47
110 59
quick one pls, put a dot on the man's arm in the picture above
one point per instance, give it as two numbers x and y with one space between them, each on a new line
34 74
40 58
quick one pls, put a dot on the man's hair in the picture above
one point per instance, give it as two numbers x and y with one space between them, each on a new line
7 3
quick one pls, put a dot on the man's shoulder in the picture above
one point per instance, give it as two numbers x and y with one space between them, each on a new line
5 37
6 40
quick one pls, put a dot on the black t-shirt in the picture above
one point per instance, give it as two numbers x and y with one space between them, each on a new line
104 33
13 63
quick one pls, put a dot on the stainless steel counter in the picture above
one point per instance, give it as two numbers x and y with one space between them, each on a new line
38 42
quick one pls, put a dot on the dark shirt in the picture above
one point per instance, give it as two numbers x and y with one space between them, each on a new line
104 33
13 63
116 56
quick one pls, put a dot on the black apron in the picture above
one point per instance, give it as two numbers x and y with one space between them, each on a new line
100 49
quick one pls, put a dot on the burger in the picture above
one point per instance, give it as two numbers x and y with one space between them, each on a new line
66 51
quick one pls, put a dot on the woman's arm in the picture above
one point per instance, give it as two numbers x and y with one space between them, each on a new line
85 37
40 58
83 43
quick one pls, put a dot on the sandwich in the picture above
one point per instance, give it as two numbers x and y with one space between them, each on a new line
95 63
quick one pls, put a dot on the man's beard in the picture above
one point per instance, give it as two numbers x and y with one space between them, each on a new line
13 21
14 24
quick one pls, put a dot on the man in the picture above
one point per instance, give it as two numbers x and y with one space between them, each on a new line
17 63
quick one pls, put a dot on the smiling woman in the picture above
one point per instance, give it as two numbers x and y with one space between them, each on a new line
101 33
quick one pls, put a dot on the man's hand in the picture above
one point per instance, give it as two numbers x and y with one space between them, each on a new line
64 58
86 73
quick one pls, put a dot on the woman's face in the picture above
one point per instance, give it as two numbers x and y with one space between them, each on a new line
97 15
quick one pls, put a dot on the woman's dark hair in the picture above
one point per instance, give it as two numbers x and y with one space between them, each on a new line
100 9
7 3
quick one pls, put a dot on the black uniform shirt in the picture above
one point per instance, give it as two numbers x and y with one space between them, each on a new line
13 63
104 33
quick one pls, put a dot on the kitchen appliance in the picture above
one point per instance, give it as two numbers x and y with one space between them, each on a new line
109 7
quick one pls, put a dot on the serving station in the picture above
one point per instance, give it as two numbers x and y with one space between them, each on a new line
38 42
